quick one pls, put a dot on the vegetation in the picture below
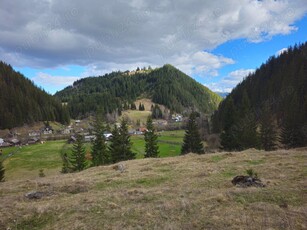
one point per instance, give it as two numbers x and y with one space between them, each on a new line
185 192
151 144
77 158
192 142
100 153
120 146
272 99
22 102
2 171
114 92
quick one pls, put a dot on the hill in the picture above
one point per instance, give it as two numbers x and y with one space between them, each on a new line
116 91
275 95
21 102
186 192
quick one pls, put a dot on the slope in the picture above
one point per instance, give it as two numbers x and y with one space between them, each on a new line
22 102
186 192
167 86
277 89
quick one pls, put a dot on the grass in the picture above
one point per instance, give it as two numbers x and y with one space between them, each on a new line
26 162
184 192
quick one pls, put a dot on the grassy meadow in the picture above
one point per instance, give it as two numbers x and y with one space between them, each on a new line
26 161
184 192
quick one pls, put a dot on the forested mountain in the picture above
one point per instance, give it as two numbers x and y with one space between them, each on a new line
269 106
22 102
167 86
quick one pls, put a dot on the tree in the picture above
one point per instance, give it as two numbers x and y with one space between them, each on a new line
192 142
2 171
268 131
77 159
120 146
66 167
99 151
151 144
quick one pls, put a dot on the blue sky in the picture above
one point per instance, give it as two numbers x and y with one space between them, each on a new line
217 42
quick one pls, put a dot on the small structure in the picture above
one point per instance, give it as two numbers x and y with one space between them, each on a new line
66 131
89 138
1 141
107 135
13 141
71 140
34 133
33 140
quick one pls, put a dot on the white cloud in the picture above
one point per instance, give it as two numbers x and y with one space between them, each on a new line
281 51
54 33
229 82
45 79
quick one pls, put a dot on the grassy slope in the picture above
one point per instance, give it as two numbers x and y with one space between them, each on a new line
186 192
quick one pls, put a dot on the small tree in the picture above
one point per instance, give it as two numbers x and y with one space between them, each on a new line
99 151
120 146
192 142
77 159
2 171
151 144
268 133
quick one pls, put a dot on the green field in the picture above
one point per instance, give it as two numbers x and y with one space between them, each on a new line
25 162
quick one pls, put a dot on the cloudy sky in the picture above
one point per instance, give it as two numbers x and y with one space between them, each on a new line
216 42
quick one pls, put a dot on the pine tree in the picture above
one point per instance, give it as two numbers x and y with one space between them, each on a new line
2 171
151 144
120 146
99 151
77 159
268 131
192 142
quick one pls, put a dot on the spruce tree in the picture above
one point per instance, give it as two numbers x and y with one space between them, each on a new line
77 159
151 144
192 142
2 171
99 150
66 167
268 131
120 146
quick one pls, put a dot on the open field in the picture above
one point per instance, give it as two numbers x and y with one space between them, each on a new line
185 192
25 162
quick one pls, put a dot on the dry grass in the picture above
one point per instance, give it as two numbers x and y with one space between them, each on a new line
186 192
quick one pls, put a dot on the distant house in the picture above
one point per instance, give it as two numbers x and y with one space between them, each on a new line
77 122
33 140
34 133
107 135
47 130
66 131
72 139
89 138
177 117
1 141
13 141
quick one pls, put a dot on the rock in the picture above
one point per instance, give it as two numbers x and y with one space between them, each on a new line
119 167
34 195
247 181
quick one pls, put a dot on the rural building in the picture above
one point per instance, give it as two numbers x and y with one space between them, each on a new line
34 133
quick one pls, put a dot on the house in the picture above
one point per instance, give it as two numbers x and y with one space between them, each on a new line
66 131
89 138
71 140
177 117
13 141
34 133
77 122
107 135
47 130
5 144
33 140
1 141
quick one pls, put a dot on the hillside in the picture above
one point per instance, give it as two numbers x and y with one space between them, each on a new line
21 102
167 86
275 96
186 192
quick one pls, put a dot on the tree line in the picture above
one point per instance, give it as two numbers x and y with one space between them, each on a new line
21 102
268 108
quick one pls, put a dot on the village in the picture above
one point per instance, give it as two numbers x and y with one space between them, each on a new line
47 131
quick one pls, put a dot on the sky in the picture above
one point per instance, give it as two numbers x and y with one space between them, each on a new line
218 43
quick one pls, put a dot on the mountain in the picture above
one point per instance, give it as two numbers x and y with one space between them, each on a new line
222 94
277 92
22 102
167 86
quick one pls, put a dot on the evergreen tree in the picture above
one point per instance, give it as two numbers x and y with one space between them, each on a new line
192 142
77 159
66 167
228 135
120 146
268 131
151 144
2 171
99 151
